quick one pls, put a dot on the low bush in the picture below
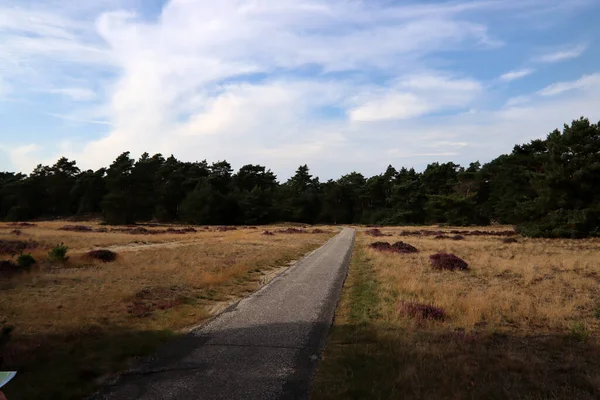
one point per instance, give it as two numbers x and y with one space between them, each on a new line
510 240
58 253
458 237
268 233
401 247
13 247
291 230
422 311
8 267
398 247
16 232
102 255
76 228
25 260
226 228
375 232
448 261
381 246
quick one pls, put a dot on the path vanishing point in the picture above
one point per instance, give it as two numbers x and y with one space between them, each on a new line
267 346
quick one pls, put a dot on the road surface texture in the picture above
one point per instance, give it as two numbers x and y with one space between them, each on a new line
267 346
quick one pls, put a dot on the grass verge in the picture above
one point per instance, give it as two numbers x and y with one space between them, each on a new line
520 324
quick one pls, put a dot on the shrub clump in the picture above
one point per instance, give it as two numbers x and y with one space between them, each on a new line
268 233
291 230
22 224
510 240
16 232
381 246
398 247
401 247
422 311
13 247
76 228
180 231
58 253
375 232
226 228
102 255
8 267
441 237
458 237
448 261
25 260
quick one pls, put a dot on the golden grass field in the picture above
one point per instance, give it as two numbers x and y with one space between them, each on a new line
77 322
522 323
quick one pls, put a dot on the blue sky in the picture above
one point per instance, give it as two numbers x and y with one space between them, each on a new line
341 85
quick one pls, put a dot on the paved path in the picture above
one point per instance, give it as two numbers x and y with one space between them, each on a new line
265 347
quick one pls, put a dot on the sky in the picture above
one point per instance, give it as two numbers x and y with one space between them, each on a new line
340 85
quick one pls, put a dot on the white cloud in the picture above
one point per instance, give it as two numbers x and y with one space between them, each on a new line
585 82
24 157
517 74
278 82
414 96
563 55
74 93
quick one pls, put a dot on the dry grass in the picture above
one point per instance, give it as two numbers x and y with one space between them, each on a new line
158 284
522 322
541 285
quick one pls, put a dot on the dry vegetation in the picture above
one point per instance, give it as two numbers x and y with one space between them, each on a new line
75 322
521 322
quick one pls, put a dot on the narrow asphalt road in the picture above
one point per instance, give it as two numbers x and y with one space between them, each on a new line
266 347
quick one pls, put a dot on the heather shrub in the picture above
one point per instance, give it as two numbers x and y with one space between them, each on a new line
375 232
226 228
102 255
381 246
13 247
291 230
401 247
422 311
448 261
510 240
8 267
25 260
58 253
76 228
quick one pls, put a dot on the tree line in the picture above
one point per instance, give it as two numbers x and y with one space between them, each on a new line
547 188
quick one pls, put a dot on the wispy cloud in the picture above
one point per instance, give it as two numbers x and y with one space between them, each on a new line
81 120
587 81
562 55
74 93
516 74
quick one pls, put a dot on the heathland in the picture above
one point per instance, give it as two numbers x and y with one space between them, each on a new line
519 321
72 319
